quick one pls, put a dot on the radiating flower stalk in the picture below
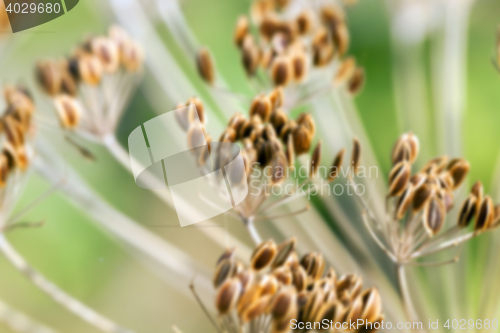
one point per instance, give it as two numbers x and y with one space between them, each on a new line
271 142
17 132
91 88
418 202
300 46
278 289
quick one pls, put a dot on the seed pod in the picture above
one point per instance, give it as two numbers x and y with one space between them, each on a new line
467 211
68 111
235 122
355 310
314 265
406 148
107 52
16 156
276 96
268 285
399 178
422 196
205 65
299 66
447 197
299 278
305 119
284 251
224 271
90 69
332 15
458 169
279 166
261 106
311 308
349 286
345 71
241 30
485 215
372 305
263 255
228 296
302 139
281 71
290 152
278 119
478 191
355 155
341 39
257 308
356 82
434 216
13 130
404 202
418 180
336 166
4 170
284 304
304 22
196 136
49 77
132 56
330 311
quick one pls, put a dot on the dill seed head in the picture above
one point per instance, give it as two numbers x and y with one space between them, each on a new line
205 65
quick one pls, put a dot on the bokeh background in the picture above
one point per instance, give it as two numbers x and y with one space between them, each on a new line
91 265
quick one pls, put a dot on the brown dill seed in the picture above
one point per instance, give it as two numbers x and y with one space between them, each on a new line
399 178
302 139
196 136
263 255
345 71
406 148
132 56
284 304
4 170
198 109
68 111
357 81
305 22
205 65
256 308
284 249
250 55
68 82
90 69
306 120
467 211
228 295
49 77
485 215
277 96
422 196
336 165
434 216
279 164
404 202
299 65
107 52
261 107
13 131
458 169
236 122
290 152
315 160
281 71
241 30
322 48
225 270
283 275
372 305
340 35
355 155
314 265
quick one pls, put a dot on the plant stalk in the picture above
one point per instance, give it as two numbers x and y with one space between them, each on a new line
411 313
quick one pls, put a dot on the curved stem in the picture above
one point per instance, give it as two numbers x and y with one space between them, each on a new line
248 222
50 289
411 313
19 322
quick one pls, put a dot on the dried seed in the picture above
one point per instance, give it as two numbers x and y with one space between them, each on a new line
330 311
228 295
278 119
435 165
284 250
196 136
336 166
345 71
406 148
290 152
205 65
284 304
322 48
68 111
132 56
399 178
305 119
281 71
263 255
314 265
357 81
418 179
279 166
305 22
458 169
276 96
13 130
236 122
422 196
283 275
311 308
255 309
354 312
434 215
261 106
4 170
372 305
340 35
90 69
467 211
315 160
302 139
299 278
349 286
404 202
107 52
196 110
227 254
355 155
299 66
224 271
485 215
48 74
241 30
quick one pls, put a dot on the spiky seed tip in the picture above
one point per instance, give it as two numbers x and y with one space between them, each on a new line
205 65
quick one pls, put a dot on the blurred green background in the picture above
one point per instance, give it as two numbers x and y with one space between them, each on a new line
92 266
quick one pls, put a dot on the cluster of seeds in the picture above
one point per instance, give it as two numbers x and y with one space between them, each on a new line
294 38
279 287
418 205
90 87
16 125
270 142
